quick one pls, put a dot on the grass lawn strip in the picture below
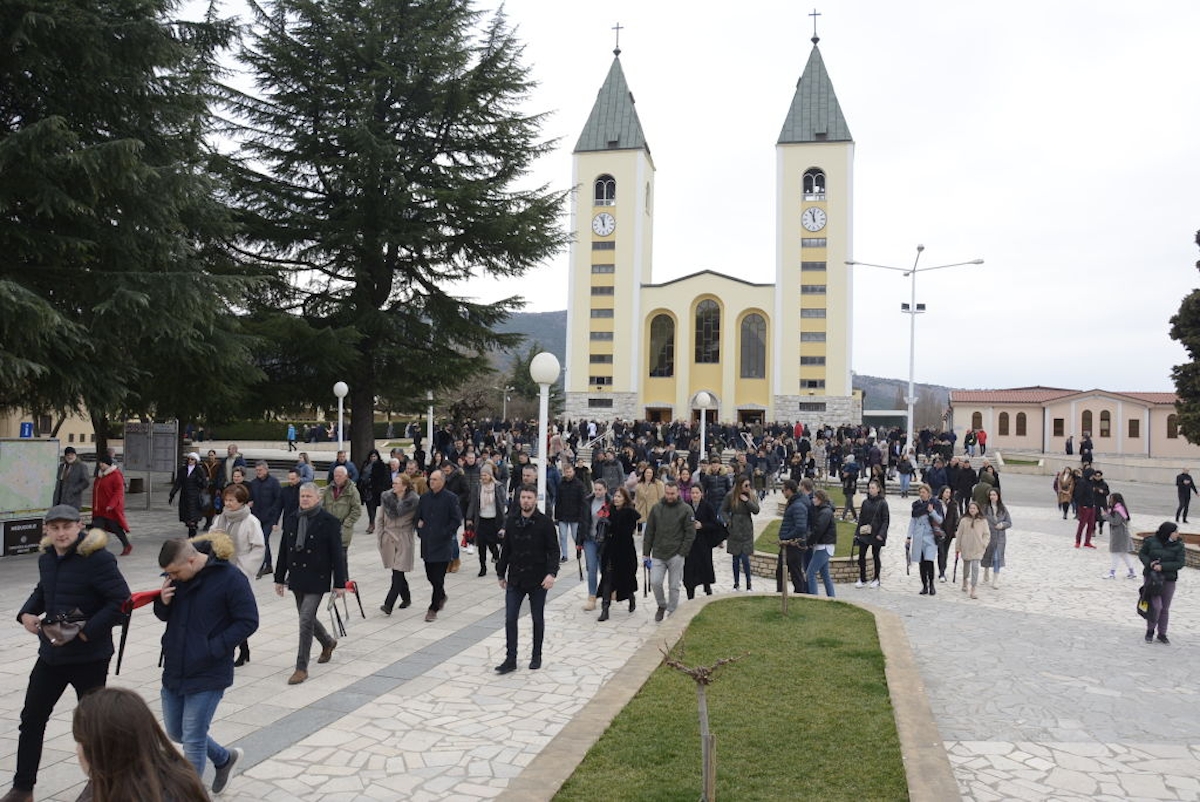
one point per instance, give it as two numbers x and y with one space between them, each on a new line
804 715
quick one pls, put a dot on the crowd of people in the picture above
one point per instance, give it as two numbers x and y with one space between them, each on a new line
475 492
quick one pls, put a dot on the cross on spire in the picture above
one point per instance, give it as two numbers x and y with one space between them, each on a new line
814 15
617 49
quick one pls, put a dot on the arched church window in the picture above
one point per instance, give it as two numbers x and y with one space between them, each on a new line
708 332
662 346
1086 422
814 184
1172 426
606 191
1022 424
1105 423
1002 428
754 347
976 420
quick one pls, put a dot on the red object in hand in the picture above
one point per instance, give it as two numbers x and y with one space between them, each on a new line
140 599
351 587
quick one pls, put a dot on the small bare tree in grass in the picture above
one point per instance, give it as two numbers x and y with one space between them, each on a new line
702 676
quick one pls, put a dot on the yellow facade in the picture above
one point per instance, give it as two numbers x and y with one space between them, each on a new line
780 351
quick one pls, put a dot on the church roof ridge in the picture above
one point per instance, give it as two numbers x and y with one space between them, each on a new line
709 272
613 123
815 115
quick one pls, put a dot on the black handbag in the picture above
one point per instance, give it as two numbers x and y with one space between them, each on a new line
62 628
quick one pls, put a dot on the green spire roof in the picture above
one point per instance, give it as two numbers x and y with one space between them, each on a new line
613 123
815 115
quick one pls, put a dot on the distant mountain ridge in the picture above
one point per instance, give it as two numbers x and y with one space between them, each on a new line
550 329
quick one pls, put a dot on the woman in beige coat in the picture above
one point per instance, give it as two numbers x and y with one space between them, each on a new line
972 536
647 492
397 538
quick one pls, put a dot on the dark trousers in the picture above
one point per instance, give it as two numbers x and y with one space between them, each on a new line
46 686
862 561
943 554
1160 610
436 574
1185 500
513 598
112 527
399 590
795 561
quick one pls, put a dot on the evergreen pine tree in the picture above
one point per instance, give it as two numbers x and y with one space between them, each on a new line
1185 327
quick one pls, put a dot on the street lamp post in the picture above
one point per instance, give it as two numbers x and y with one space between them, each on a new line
703 401
341 390
506 390
543 369
913 310
429 425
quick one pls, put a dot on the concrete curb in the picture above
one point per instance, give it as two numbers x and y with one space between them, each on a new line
927 767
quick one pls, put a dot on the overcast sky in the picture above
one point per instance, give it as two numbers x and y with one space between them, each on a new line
1055 140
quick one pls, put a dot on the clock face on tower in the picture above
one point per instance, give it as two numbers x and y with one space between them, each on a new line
604 224
813 218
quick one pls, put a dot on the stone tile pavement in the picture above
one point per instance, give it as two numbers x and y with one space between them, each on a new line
1042 689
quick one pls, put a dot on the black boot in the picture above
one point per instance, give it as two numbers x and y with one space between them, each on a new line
632 603
243 654
603 612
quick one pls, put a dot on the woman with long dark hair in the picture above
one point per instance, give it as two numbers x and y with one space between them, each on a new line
618 554
1119 542
125 753
871 533
374 480
739 508
949 528
999 522
1162 553
698 565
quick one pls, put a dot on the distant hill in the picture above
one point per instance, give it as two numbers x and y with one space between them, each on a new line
550 329
547 328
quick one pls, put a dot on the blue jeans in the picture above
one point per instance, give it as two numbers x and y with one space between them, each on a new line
187 718
513 597
905 481
820 564
741 561
591 555
566 537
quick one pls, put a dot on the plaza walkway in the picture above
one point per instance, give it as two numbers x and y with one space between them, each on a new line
1042 689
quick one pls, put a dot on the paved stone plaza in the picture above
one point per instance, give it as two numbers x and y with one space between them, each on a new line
1042 689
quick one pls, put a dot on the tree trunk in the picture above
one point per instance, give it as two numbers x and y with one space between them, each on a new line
100 425
362 418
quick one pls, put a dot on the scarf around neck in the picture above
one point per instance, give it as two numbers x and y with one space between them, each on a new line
302 524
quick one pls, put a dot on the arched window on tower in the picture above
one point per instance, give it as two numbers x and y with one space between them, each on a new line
662 346
708 332
754 347
606 191
814 184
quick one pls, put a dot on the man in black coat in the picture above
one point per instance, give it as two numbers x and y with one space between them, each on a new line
72 480
266 504
437 520
311 558
1184 488
77 574
529 559
569 510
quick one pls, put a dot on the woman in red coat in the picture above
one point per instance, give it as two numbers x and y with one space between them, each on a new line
108 502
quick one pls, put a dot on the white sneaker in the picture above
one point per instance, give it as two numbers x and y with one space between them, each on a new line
860 584
469 549
875 583
1110 575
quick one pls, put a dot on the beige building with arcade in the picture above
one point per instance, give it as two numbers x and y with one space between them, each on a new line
1042 418
780 351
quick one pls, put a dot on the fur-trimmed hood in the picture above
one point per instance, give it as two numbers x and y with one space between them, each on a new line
90 541
220 545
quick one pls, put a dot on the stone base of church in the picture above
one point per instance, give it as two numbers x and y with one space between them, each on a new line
579 406
815 410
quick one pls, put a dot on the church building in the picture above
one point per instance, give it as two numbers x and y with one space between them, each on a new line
762 352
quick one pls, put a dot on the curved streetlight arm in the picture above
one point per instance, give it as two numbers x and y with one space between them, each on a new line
908 270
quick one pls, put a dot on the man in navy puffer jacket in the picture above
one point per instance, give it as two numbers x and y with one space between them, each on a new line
209 609
76 572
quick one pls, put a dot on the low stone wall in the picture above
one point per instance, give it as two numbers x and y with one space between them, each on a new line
762 564
1191 551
